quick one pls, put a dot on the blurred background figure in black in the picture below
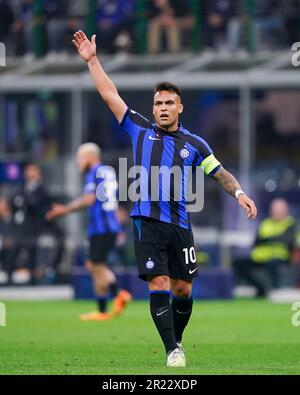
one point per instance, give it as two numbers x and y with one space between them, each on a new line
35 235
56 18
6 20
62 18
33 28
272 249
269 25
222 25
289 11
7 240
168 19
23 29
115 24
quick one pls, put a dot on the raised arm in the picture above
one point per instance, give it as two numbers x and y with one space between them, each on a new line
231 186
104 85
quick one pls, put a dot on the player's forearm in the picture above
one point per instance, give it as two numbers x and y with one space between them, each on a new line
104 84
79 204
227 181
107 89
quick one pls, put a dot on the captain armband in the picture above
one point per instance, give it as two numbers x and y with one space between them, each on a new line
209 164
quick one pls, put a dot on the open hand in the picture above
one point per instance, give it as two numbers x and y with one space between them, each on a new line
58 210
248 205
85 47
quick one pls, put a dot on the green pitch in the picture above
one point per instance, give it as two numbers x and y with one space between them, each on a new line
235 337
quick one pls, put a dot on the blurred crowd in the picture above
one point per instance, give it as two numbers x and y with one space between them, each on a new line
168 25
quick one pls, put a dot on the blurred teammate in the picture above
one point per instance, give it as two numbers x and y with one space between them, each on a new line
272 248
103 228
164 244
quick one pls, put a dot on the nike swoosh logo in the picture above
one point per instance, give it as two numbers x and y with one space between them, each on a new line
153 138
161 313
192 271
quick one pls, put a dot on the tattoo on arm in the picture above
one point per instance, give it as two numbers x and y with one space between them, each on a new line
227 181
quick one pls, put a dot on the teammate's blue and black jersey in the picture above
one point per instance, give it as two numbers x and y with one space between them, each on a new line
102 214
154 147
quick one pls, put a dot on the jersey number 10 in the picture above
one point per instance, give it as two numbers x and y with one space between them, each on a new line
190 255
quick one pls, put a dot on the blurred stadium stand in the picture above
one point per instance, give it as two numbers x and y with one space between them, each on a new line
241 93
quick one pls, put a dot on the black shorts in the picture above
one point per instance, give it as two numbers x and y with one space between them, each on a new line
163 249
101 246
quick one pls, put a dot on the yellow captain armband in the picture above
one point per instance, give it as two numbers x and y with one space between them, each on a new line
209 164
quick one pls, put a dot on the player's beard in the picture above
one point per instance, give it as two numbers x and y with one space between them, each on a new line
85 168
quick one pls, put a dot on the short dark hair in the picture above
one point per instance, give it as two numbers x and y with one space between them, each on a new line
167 86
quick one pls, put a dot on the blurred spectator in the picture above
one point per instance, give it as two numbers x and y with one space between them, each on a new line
33 200
289 10
56 14
276 24
6 21
30 206
62 17
269 25
7 240
222 24
115 24
171 18
272 248
77 13
23 27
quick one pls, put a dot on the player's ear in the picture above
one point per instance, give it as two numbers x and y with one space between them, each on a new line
180 108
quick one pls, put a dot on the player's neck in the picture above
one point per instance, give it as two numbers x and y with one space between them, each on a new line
170 129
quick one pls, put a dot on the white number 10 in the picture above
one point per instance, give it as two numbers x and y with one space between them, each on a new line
190 255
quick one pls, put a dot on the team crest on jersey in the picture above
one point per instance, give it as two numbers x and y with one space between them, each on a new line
150 264
184 153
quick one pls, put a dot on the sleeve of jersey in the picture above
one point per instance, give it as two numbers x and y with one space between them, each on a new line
207 160
133 122
90 184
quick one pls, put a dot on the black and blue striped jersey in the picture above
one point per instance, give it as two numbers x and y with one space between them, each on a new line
155 148
103 213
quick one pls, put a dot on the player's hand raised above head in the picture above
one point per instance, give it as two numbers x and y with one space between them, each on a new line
85 47
248 205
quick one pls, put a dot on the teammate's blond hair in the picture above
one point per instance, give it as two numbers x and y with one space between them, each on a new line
89 148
